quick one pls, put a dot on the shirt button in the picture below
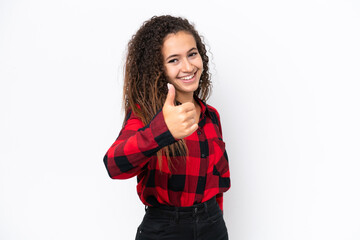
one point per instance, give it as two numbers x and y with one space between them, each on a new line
202 155
199 133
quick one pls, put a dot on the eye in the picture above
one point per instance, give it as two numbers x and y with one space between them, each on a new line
193 54
173 60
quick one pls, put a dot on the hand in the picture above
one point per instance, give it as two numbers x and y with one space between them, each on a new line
181 120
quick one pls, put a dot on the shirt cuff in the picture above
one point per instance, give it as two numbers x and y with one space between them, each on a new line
160 131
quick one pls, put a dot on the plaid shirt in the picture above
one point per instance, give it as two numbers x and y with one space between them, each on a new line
205 173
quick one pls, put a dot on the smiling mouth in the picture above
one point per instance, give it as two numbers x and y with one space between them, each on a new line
187 78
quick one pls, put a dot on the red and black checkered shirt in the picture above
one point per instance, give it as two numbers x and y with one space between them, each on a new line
203 175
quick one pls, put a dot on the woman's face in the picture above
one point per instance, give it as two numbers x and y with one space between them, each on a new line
182 62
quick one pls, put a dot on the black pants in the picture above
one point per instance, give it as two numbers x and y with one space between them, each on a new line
199 222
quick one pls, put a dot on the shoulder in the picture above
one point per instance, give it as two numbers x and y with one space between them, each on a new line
213 112
131 118
130 113
212 109
215 117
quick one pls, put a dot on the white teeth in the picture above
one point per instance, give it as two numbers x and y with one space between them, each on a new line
187 78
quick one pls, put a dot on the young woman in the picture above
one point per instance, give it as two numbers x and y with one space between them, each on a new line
171 139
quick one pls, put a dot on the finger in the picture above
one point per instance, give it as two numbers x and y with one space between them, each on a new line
189 122
194 127
190 115
170 98
188 106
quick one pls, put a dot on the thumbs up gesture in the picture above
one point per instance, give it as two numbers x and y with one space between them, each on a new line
181 120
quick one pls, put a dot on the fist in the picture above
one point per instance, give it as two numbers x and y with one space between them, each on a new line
181 120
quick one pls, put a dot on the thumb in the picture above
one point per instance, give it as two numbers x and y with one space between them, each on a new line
171 95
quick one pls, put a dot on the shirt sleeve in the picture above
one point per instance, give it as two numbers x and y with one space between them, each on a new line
226 174
218 122
135 145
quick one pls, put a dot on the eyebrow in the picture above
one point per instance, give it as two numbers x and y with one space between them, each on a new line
176 55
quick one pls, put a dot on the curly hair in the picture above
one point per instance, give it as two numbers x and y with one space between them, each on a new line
145 81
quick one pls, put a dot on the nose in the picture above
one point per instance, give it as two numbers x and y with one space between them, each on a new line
186 66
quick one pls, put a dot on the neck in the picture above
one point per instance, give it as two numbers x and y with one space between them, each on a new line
183 98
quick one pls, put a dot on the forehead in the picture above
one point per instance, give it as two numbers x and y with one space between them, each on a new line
177 43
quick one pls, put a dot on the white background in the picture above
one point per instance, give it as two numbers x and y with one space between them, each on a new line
286 84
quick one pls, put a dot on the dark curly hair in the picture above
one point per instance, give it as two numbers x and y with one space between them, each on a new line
145 82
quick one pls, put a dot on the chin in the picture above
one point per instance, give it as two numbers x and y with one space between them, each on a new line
188 88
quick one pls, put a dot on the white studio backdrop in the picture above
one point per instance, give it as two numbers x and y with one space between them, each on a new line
286 83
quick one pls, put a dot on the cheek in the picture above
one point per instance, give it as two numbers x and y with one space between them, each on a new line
200 63
200 66
166 71
172 72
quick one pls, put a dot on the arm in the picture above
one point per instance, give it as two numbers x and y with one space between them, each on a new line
135 145
226 174
219 197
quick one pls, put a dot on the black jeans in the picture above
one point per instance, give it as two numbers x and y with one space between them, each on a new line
199 222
